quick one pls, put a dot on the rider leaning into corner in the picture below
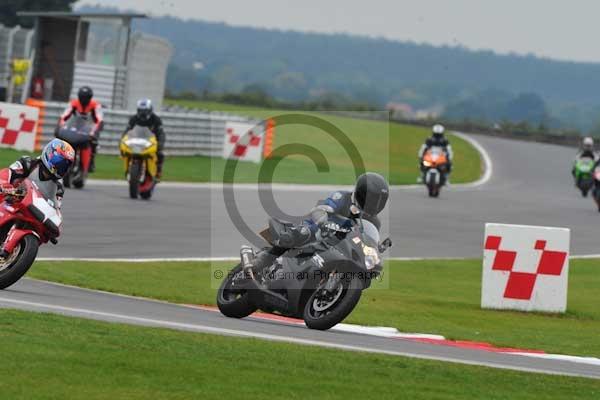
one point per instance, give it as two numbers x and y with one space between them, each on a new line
85 105
437 139
334 214
46 171
586 151
145 116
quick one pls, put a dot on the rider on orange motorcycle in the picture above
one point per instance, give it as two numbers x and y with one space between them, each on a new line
85 105
437 139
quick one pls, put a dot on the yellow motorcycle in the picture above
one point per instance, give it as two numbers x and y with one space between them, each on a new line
139 149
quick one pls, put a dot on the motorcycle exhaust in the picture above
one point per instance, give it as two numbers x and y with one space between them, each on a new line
247 258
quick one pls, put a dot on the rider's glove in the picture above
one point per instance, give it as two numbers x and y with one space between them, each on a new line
329 229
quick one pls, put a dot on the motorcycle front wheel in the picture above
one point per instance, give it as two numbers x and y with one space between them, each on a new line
325 309
433 190
135 172
19 261
231 302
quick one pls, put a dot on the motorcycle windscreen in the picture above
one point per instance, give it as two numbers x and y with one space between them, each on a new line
74 138
371 231
140 132
76 131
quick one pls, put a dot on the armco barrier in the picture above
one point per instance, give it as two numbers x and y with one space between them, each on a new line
188 133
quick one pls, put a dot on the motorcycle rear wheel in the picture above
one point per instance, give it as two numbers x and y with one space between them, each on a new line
147 194
232 303
19 263
335 313
79 184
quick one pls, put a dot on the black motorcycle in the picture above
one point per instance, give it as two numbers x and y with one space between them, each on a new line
320 282
78 133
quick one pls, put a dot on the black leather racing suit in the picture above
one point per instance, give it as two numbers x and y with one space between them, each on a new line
337 209
154 123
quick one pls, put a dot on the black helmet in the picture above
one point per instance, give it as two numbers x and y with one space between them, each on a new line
144 109
85 94
371 193
438 131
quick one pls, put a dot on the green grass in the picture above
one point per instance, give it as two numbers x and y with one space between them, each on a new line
390 149
440 297
387 148
53 357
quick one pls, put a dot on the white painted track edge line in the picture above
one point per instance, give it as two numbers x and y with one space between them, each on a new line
342 327
488 166
81 312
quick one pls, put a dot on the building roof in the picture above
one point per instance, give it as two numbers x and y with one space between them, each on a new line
76 15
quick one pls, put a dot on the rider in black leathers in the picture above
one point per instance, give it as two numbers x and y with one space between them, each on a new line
146 117
334 214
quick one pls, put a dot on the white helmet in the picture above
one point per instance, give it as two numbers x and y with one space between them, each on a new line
588 143
438 130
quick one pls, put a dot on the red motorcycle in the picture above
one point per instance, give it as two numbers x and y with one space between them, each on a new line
78 133
29 216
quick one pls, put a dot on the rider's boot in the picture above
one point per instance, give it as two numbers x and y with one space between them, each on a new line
92 167
159 165
158 173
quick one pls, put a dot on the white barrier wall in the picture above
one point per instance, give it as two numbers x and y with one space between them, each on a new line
243 141
188 133
525 268
18 126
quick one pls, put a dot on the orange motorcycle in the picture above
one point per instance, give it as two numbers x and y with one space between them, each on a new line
435 163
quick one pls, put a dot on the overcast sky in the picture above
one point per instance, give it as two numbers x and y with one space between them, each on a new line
561 29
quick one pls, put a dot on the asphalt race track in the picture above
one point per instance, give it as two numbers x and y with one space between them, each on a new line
531 184
47 297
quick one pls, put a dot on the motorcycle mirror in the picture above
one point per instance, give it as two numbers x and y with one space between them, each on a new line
386 244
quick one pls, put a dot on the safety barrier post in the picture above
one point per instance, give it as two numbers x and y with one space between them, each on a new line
269 137
41 105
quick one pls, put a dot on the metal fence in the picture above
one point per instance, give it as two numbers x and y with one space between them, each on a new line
188 133
15 42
